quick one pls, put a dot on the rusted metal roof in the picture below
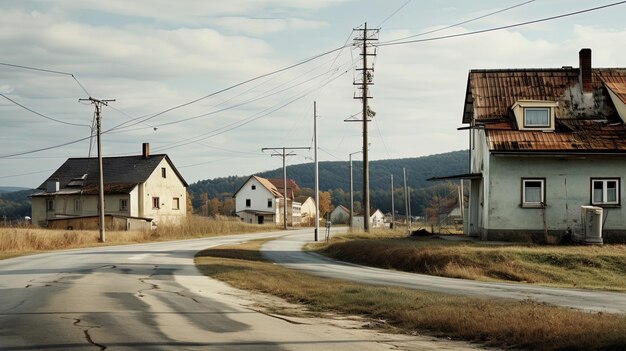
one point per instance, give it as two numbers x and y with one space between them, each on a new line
617 85
491 93
575 136
584 123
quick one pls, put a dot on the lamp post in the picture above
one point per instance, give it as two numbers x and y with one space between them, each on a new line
351 189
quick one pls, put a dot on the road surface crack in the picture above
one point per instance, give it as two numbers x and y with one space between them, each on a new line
86 329
279 317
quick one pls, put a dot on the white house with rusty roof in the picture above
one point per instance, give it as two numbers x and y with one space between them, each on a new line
142 188
260 201
543 143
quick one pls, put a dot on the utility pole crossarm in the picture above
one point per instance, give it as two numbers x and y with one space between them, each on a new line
283 153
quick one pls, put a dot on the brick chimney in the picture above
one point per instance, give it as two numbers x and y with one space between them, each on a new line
145 147
584 59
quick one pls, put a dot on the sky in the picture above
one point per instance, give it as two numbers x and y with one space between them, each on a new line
211 83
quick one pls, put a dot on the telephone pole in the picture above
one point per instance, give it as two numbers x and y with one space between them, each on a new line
284 155
351 189
316 171
98 105
393 206
367 77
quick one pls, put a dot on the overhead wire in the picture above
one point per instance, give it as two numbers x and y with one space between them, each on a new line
41 114
463 22
545 19
47 71
235 86
394 13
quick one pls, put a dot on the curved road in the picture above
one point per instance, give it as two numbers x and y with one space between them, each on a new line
151 297
288 251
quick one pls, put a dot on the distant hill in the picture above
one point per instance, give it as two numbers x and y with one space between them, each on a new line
334 177
16 204
11 189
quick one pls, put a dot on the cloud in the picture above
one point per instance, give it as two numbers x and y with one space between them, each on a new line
263 26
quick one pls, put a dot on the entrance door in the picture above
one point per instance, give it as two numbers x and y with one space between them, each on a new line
261 219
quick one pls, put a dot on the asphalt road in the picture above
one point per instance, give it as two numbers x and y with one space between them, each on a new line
288 252
151 297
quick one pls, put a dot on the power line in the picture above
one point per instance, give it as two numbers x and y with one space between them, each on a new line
41 114
47 71
23 174
235 86
503 27
394 13
463 22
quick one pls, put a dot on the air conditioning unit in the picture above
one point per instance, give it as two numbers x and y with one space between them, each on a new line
589 230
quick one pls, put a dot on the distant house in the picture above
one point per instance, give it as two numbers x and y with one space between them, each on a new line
307 209
543 143
340 215
260 201
377 220
138 190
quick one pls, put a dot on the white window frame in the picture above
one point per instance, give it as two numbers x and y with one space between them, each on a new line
542 202
548 112
604 182
176 203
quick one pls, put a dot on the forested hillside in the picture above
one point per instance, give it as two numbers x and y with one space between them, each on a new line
334 177
15 205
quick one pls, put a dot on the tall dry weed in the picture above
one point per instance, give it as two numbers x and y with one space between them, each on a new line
28 239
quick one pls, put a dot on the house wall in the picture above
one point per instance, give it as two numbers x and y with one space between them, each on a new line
166 189
308 211
567 187
479 163
64 206
258 198
339 215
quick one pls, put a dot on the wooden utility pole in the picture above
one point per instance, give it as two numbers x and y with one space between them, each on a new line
393 205
98 105
284 155
351 189
367 76
317 182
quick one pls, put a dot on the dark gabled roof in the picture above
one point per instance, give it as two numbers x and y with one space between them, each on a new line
119 172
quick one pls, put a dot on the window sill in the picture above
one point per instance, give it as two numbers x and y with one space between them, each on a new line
607 205
532 206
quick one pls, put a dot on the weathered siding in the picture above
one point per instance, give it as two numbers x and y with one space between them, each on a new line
166 189
567 187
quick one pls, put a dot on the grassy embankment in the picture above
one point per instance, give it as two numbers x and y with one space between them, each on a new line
589 267
16 241
508 324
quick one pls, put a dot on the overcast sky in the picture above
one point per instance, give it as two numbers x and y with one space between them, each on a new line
151 56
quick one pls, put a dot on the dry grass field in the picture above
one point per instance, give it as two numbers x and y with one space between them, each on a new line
16 241
590 267
507 324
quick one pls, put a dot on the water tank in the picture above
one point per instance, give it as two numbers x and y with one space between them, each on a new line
591 220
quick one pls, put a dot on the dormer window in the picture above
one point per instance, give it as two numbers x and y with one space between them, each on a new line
535 115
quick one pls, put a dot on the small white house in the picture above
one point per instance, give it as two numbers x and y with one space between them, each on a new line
340 215
377 220
307 209
259 201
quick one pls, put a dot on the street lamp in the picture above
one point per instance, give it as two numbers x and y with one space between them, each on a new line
352 189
